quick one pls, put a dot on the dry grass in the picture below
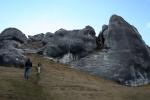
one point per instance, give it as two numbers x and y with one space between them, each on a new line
59 82
14 87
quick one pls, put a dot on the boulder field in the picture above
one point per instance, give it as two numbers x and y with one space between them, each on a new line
118 53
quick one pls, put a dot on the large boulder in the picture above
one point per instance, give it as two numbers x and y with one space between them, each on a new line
14 34
148 47
124 58
10 54
100 39
76 42
38 37
11 57
48 37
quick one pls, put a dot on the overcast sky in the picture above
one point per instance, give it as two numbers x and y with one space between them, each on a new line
41 16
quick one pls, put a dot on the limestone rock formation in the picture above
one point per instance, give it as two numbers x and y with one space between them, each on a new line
38 37
48 37
10 55
13 34
118 53
77 42
124 58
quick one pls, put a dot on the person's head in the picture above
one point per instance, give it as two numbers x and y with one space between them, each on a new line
28 59
39 64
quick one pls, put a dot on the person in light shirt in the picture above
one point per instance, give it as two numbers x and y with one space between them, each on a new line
38 68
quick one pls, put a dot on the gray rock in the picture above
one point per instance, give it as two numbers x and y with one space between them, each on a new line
11 40
148 47
10 55
33 43
48 37
77 42
4 44
125 57
14 34
104 27
38 37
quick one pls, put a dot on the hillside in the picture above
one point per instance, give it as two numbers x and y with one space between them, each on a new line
59 82
118 53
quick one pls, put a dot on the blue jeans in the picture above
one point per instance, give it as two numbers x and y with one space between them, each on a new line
27 73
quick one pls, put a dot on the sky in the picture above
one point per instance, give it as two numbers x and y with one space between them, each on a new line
41 16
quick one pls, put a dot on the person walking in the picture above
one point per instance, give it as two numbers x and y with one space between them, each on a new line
28 65
38 68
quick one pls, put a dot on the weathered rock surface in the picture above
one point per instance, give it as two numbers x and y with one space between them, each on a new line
118 53
10 55
124 58
38 37
48 37
13 34
148 47
77 42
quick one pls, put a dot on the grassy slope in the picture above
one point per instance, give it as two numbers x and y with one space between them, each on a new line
59 82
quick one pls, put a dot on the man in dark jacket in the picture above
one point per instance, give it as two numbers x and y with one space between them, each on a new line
28 65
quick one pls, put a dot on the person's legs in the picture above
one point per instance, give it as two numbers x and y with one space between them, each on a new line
28 73
25 73
39 70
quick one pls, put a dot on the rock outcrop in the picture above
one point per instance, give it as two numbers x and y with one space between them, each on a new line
78 43
118 53
13 34
124 58
48 37
38 37
11 39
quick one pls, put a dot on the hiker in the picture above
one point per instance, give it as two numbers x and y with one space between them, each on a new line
28 65
38 68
